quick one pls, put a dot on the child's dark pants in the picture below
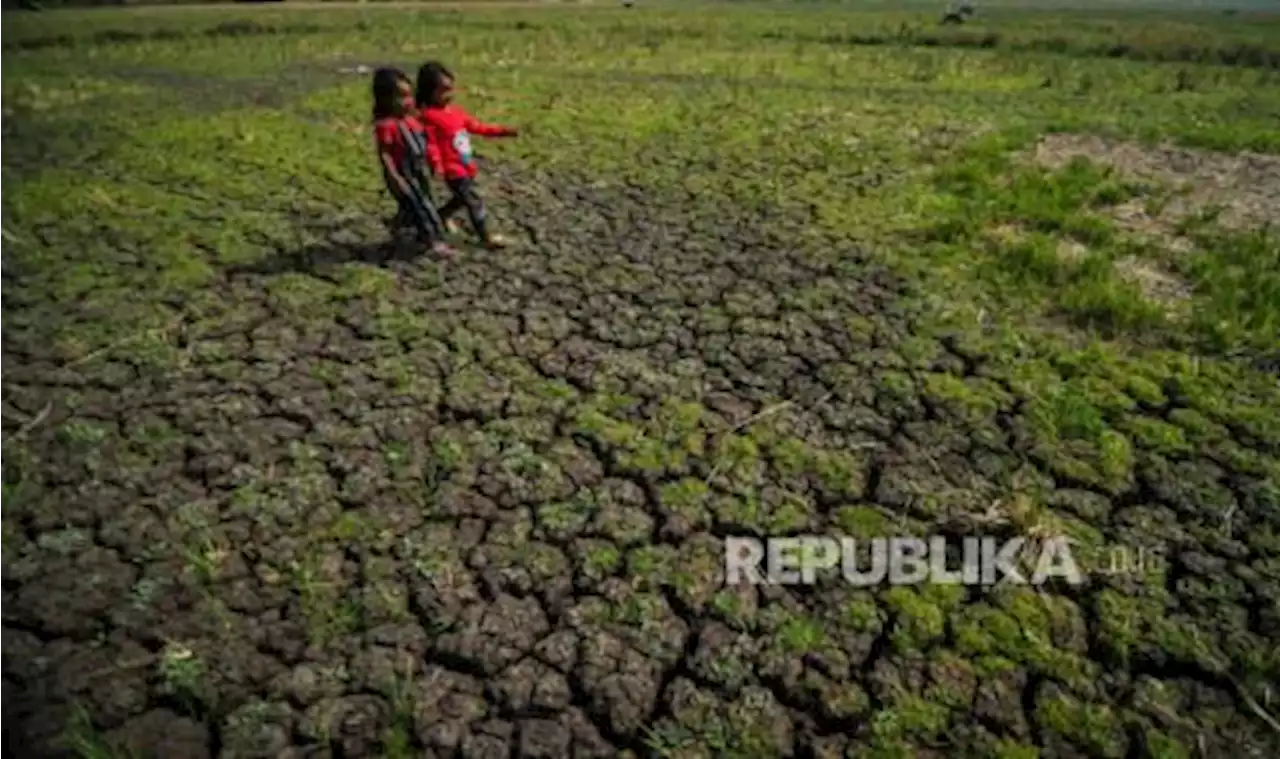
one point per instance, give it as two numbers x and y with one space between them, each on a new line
417 207
404 212
465 196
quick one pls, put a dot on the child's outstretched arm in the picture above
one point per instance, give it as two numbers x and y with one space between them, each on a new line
477 127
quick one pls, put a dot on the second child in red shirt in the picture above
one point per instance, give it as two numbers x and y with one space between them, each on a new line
449 132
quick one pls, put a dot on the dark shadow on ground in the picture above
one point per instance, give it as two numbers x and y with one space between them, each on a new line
313 259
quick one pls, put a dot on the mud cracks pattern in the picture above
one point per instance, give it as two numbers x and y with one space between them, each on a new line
476 510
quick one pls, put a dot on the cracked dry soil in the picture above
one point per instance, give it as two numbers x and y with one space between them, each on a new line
479 513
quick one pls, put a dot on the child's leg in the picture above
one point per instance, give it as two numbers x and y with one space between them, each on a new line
404 213
403 216
454 204
422 183
429 224
465 196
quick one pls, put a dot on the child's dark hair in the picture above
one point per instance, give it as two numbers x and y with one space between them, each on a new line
430 76
386 93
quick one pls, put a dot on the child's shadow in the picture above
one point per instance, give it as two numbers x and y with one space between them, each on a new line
313 259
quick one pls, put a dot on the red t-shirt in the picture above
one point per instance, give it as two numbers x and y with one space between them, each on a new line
449 131
388 136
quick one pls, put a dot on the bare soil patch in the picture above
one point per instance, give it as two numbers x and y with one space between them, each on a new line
1184 189
1157 284
1246 186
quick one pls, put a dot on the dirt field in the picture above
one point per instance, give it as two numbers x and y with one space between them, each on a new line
276 487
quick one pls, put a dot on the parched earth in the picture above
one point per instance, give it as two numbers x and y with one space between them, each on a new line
398 508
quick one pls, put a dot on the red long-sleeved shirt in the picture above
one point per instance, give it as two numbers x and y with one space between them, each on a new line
388 136
449 131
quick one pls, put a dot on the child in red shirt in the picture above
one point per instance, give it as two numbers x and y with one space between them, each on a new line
396 144
401 142
449 130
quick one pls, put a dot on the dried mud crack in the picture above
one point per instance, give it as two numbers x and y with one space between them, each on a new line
478 510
